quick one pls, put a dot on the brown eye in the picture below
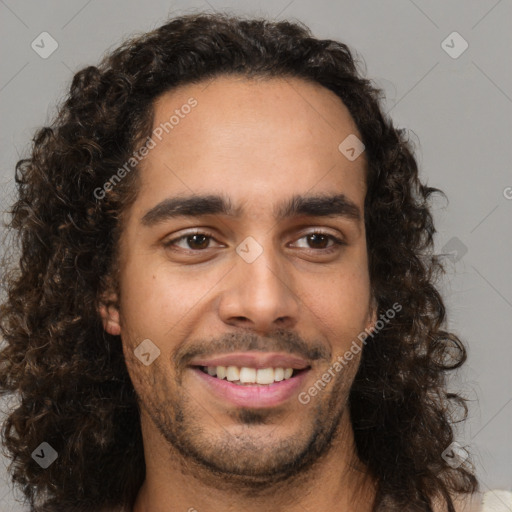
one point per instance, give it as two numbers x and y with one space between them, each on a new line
190 242
321 242
197 241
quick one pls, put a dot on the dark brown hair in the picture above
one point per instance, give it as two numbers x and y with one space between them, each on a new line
69 375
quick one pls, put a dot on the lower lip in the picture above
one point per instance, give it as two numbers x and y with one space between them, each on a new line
257 396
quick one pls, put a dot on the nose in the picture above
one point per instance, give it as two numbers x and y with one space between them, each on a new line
260 296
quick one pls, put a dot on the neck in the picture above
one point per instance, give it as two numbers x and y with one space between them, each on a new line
338 481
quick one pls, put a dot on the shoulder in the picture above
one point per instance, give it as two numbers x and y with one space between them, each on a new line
490 501
497 501
467 502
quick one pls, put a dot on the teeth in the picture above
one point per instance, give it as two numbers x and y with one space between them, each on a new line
245 375
220 370
232 373
278 374
265 376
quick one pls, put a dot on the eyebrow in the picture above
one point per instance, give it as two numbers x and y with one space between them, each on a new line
337 205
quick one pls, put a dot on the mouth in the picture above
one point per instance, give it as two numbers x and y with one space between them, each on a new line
256 386
245 376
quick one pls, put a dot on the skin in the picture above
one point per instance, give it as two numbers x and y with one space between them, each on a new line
257 142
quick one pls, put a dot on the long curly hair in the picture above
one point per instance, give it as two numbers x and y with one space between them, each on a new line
68 376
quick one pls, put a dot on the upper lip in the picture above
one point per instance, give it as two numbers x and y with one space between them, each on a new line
253 360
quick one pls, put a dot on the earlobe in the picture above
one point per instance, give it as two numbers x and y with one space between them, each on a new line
110 316
372 314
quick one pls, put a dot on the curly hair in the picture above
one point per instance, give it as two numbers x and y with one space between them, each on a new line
69 376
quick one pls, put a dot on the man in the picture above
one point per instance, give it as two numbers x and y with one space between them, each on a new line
225 295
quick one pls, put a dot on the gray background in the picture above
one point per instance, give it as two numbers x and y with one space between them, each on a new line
459 111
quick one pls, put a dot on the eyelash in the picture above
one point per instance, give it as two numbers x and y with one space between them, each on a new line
337 242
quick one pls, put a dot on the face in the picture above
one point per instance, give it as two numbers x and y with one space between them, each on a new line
244 257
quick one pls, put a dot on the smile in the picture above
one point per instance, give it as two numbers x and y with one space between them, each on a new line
251 387
245 375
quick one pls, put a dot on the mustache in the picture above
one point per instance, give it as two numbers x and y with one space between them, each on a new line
278 341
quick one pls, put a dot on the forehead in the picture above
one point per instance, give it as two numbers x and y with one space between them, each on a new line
269 109
251 138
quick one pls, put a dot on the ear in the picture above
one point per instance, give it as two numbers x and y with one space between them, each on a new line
372 313
109 311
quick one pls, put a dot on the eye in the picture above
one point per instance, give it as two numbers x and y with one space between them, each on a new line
200 240
195 241
319 239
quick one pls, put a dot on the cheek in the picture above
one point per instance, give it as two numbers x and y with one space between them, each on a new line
344 311
157 300
340 305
